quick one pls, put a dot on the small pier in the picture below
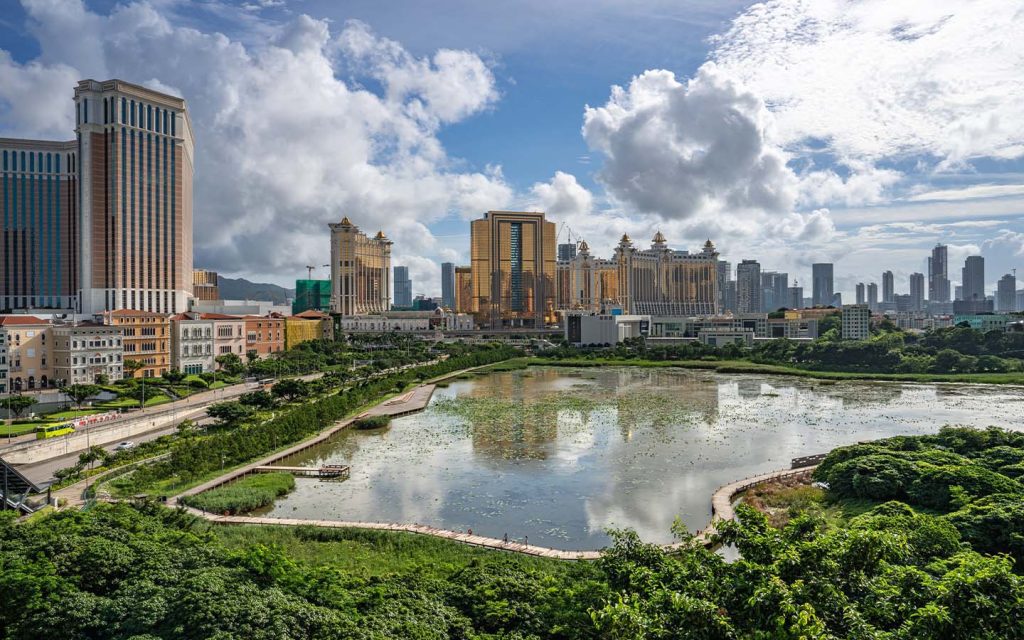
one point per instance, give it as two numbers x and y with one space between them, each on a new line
325 472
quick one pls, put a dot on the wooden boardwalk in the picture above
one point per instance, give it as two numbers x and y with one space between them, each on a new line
325 471
721 507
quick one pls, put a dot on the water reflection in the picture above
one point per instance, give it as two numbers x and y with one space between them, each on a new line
559 455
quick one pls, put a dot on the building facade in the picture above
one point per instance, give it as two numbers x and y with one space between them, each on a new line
192 344
1006 293
774 290
204 285
856 322
938 274
748 287
39 245
917 292
146 340
513 264
264 335
360 270
104 221
822 284
655 281
860 293
312 294
403 287
448 285
87 353
464 290
888 287
228 334
5 368
872 300
973 279
29 352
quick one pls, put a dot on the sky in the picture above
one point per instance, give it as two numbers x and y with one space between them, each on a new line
859 132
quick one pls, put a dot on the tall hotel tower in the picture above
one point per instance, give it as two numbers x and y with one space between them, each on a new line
513 269
360 270
102 222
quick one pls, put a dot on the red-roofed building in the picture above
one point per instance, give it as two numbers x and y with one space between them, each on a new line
147 340
228 334
28 344
264 334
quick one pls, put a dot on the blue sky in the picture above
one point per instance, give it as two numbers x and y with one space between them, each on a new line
790 131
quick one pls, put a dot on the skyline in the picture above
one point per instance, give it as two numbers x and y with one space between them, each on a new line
417 125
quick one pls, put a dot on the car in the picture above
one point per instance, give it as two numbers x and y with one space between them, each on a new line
124 446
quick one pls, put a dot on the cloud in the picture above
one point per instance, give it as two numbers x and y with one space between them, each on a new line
970 192
885 78
678 149
284 145
562 197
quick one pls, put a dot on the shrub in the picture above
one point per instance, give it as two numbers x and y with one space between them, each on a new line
372 422
241 496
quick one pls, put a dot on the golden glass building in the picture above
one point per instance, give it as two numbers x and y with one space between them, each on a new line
513 269
360 271
464 290
657 281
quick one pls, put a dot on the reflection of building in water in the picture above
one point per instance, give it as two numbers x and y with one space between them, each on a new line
749 387
524 433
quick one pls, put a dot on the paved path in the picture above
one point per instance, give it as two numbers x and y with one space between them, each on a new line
721 502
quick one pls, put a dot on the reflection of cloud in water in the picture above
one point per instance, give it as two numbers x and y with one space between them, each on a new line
616 446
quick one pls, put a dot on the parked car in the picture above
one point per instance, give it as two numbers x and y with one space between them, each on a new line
124 446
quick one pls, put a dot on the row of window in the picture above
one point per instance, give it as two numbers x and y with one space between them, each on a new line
136 114
33 161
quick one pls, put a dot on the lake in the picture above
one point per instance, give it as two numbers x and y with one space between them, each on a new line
560 454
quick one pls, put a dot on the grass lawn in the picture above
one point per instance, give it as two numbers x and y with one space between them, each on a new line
370 553
18 429
70 415
743 366
132 403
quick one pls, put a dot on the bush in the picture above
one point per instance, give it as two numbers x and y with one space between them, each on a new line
242 496
372 422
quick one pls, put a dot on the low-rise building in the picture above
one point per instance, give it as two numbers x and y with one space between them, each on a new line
584 329
856 322
791 328
439 319
87 353
192 344
147 339
228 334
264 334
29 347
306 326
721 336
985 321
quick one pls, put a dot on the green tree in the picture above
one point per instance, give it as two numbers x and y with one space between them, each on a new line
18 404
229 414
79 393
291 389
230 363
259 399
173 376
131 366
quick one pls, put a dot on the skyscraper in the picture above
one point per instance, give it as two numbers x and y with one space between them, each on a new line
360 270
403 287
748 287
938 275
774 290
105 220
513 261
464 290
860 292
872 300
448 285
1006 293
566 251
724 278
917 291
888 288
973 279
796 297
822 289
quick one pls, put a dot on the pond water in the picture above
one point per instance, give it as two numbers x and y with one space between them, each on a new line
559 454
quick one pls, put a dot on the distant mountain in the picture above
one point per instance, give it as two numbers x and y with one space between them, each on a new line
242 289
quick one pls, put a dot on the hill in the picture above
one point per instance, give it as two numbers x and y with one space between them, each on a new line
242 289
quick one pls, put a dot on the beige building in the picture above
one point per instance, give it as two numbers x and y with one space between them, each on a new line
85 353
146 339
228 334
658 281
192 344
513 269
360 270
204 285
29 352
